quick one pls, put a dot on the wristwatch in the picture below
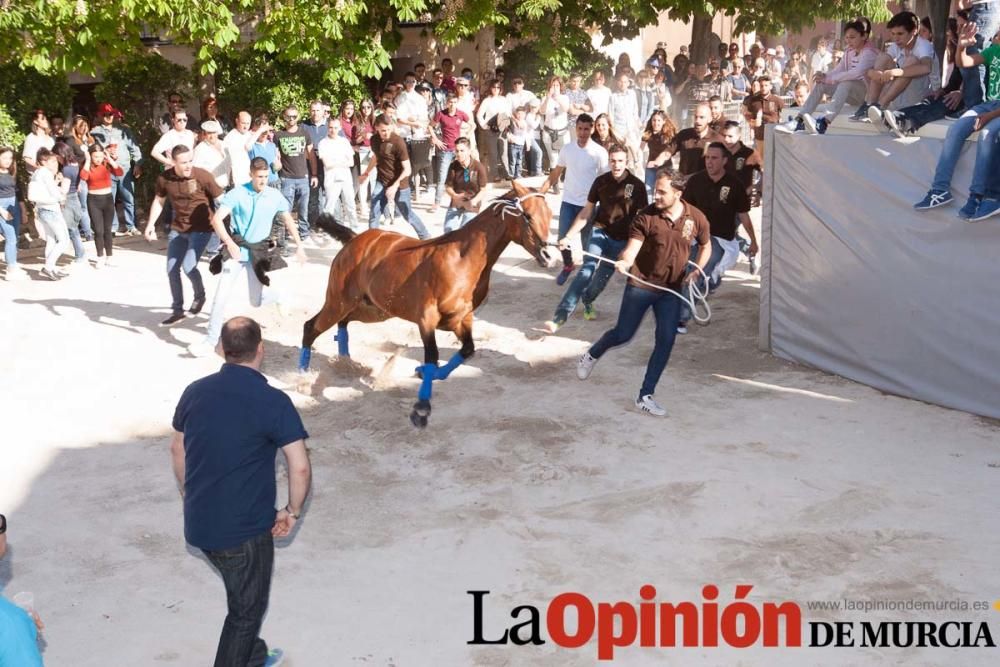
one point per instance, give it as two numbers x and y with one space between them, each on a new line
3 524
291 513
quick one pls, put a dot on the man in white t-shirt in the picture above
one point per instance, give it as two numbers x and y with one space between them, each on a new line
599 95
821 60
337 156
237 145
901 76
175 136
583 160
411 109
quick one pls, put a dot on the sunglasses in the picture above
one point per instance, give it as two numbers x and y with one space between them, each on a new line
290 118
175 101
180 120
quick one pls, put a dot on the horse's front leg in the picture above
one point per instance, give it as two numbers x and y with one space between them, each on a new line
464 333
428 373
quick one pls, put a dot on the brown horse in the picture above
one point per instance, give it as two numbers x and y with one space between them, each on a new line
435 283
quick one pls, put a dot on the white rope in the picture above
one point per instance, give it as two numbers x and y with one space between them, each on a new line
697 295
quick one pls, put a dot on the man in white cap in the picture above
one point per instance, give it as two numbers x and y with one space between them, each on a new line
211 155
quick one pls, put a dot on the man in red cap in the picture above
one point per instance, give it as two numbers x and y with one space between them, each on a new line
110 132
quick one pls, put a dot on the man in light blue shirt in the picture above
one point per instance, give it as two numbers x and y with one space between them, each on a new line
18 629
252 207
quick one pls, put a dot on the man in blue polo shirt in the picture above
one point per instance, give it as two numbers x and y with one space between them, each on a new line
228 428
253 207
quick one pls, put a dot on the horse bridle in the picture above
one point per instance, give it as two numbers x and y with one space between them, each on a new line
515 207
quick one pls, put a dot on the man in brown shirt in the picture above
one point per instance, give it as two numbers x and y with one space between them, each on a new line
391 161
691 142
618 196
761 109
465 182
657 252
191 192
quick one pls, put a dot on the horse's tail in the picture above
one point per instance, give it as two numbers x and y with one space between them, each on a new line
329 224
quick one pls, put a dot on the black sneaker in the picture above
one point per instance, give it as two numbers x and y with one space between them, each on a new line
861 115
172 320
197 305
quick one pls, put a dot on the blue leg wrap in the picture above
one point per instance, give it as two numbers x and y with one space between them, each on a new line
456 360
305 356
429 375
342 348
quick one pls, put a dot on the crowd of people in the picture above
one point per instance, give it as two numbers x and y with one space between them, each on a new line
436 139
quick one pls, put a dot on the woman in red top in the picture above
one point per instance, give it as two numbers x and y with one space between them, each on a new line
100 202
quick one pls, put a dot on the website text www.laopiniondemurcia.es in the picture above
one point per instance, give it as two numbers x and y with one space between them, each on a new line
738 623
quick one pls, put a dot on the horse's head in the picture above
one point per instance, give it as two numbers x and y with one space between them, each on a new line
533 231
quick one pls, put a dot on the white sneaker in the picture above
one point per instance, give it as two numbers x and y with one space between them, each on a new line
108 263
203 348
647 404
788 128
15 274
585 366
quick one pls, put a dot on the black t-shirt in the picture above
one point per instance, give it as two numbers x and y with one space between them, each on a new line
292 149
720 201
691 147
8 186
617 203
744 162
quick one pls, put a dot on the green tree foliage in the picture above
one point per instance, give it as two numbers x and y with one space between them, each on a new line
256 82
528 60
11 135
353 39
138 86
24 90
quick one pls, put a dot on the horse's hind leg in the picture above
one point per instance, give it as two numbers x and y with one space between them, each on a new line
428 373
319 323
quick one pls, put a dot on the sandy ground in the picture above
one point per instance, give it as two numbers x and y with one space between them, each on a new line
527 483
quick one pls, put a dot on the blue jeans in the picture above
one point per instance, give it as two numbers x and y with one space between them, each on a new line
567 214
635 301
81 194
246 574
535 158
11 229
124 189
298 189
402 205
456 218
927 111
650 180
713 261
183 251
73 214
444 158
955 139
986 16
593 276
515 156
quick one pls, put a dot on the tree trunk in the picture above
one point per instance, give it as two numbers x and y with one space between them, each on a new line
701 38
938 11
487 51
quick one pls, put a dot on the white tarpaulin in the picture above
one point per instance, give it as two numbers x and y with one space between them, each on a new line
857 283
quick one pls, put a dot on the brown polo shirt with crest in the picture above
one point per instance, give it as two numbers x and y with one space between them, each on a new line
191 199
692 147
666 244
617 203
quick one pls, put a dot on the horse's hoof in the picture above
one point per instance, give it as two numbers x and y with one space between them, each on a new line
418 420
422 408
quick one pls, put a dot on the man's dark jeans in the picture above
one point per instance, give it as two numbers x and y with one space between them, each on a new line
246 573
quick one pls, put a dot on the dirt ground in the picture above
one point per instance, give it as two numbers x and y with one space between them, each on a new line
527 483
